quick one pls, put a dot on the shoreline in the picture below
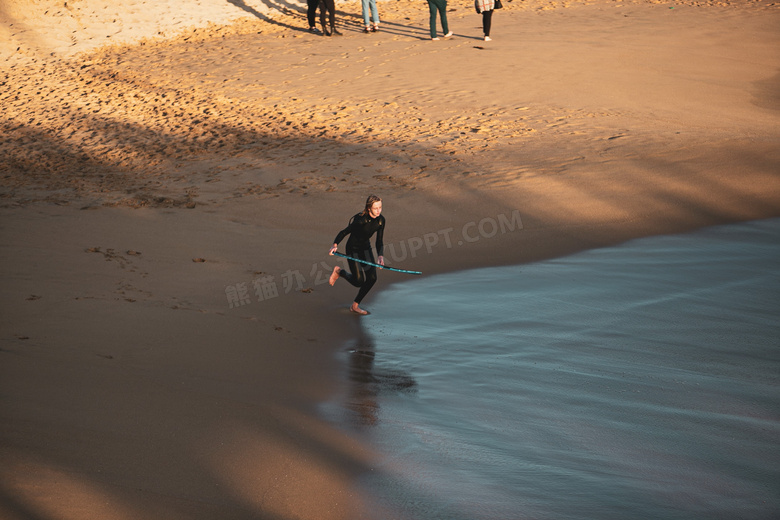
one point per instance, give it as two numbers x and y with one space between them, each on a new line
491 391
150 187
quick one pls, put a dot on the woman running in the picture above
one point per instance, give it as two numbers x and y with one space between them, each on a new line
360 230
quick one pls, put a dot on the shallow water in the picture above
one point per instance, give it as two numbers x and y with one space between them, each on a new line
638 381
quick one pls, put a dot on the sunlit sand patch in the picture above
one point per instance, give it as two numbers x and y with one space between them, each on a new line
51 492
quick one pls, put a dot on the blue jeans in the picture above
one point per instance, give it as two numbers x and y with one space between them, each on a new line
370 4
439 6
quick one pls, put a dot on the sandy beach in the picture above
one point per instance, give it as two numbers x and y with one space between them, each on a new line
172 175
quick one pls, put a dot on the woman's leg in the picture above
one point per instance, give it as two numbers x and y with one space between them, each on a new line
486 19
443 14
355 275
434 9
311 12
362 276
370 280
374 13
322 18
330 5
365 4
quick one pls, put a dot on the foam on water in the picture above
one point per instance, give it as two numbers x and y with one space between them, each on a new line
634 381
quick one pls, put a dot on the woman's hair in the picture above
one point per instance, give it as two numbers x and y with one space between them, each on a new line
370 202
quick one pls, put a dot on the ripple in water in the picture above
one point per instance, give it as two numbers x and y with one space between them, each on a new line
639 381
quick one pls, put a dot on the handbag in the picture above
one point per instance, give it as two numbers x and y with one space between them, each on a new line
498 5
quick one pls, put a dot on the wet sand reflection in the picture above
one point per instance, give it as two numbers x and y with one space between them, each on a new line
368 381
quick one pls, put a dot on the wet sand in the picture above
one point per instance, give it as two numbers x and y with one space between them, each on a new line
167 205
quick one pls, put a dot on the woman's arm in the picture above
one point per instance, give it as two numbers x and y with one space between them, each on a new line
380 243
343 233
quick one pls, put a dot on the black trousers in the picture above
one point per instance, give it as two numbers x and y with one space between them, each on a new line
362 276
311 12
486 19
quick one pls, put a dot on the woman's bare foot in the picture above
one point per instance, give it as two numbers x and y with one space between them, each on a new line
334 275
357 310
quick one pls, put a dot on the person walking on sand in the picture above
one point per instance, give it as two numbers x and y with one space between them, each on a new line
439 6
330 5
360 229
486 7
370 5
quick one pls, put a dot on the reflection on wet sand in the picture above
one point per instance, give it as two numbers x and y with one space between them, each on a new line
367 382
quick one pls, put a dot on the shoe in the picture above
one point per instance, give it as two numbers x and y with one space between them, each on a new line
375 28
488 39
314 30
448 34
325 30
367 30
435 38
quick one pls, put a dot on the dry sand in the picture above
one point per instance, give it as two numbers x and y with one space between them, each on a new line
159 158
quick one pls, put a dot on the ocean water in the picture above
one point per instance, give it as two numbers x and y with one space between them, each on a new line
637 381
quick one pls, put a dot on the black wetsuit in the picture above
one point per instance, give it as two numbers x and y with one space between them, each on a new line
360 230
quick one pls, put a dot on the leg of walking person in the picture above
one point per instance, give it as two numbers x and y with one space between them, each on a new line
311 14
323 23
434 8
443 14
487 17
330 5
366 5
375 15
